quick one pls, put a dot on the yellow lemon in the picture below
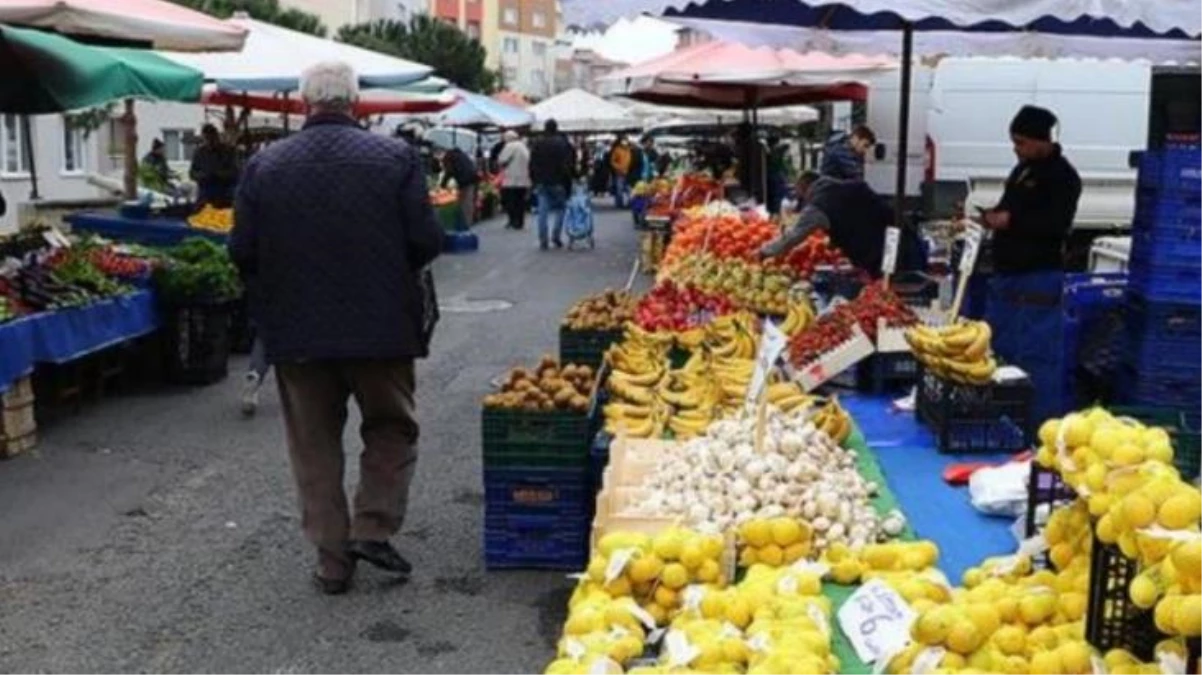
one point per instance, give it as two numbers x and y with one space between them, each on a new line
748 557
785 532
756 532
645 568
713 605
1181 510
973 577
1073 605
1010 640
1048 432
1007 608
797 551
1078 430
1144 592
985 617
964 638
666 597
933 626
1187 617
771 555
713 545
738 612
1128 454
709 571
618 587
596 569
1035 609
1075 657
667 544
674 576
847 571
1046 663
692 554
1138 511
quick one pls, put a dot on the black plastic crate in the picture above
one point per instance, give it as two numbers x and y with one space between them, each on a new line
585 347
1046 491
1112 621
886 372
969 418
197 342
555 439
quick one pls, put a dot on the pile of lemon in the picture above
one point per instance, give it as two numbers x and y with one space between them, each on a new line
212 219
774 541
908 567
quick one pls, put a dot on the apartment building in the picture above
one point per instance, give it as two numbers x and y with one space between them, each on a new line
337 13
528 32
581 69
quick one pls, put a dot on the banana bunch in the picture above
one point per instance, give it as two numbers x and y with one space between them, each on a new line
638 364
799 317
834 420
959 352
788 396
733 336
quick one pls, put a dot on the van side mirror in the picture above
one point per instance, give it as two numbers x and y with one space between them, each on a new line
1133 158
878 152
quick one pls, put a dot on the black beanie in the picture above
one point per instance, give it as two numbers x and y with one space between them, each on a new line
1033 122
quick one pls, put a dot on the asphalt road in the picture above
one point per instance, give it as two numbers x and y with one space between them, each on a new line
158 531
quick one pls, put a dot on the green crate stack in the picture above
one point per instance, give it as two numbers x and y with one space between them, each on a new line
518 438
585 347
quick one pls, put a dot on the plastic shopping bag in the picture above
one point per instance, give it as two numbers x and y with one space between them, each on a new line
1001 490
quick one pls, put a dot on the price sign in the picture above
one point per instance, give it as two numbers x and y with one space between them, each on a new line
889 260
772 343
972 247
876 620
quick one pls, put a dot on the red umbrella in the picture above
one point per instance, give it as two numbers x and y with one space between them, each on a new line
370 103
152 23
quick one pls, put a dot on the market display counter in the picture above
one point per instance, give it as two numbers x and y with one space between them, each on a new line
66 335
144 231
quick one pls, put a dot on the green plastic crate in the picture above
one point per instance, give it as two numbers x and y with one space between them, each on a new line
1187 441
558 439
585 347
448 215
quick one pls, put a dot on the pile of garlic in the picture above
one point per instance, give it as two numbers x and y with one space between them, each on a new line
718 481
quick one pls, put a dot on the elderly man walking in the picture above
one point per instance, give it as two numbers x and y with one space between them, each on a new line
334 226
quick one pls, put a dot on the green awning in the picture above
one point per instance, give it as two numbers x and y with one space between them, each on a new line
48 73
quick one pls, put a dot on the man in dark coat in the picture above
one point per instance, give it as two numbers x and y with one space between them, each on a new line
335 226
458 166
552 170
214 168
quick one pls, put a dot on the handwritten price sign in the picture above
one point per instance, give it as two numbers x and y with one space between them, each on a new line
772 343
876 620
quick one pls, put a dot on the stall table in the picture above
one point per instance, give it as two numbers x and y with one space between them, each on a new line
144 231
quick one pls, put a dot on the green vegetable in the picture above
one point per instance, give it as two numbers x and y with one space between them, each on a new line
197 271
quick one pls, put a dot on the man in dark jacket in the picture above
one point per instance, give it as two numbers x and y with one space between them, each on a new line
214 168
335 226
843 155
458 166
552 169
855 218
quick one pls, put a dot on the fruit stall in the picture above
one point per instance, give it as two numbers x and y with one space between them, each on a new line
719 463
80 314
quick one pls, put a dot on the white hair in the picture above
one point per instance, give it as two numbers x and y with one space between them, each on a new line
329 85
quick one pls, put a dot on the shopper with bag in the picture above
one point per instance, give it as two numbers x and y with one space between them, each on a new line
344 312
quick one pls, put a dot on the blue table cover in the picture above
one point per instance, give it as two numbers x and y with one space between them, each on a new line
69 334
145 231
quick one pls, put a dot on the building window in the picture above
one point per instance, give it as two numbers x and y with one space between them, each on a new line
510 45
473 30
509 16
540 49
74 149
12 146
510 75
539 19
178 144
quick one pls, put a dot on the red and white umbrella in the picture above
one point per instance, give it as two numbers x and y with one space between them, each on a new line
155 24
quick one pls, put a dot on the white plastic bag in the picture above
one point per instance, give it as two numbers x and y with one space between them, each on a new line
1002 490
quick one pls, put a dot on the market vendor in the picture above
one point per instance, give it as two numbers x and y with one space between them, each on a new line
1029 227
855 217
459 167
214 169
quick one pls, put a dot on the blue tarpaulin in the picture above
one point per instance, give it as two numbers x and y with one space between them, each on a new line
145 231
476 110
69 334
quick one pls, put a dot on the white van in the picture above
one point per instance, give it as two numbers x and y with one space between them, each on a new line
960 112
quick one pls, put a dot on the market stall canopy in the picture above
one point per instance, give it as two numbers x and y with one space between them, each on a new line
155 24
1160 30
477 110
729 75
576 110
47 73
512 98
275 57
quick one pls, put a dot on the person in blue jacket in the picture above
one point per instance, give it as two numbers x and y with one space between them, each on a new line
844 153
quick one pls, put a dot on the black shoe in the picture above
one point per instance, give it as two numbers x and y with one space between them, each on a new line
542 246
558 243
331 586
381 554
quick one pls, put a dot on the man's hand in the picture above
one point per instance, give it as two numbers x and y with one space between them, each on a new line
997 220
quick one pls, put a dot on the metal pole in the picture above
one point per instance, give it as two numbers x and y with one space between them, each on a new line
131 150
903 132
27 141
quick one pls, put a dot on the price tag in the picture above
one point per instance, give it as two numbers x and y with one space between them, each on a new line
772 343
889 260
876 620
972 247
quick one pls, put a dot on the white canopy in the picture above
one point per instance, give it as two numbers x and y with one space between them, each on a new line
576 110
274 58
156 23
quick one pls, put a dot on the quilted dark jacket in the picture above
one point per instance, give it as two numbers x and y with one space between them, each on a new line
332 226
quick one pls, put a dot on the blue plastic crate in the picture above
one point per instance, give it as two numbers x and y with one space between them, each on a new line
535 491
1166 246
1167 321
1172 171
1170 387
1094 307
536 542
1156 211
460 242
598 459
1165 281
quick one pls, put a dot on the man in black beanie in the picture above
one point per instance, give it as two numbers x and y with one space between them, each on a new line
1035 214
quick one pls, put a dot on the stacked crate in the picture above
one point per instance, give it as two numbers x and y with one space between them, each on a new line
1164 303
18 426
537 489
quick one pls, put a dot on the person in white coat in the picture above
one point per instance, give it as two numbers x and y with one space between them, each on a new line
514 162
